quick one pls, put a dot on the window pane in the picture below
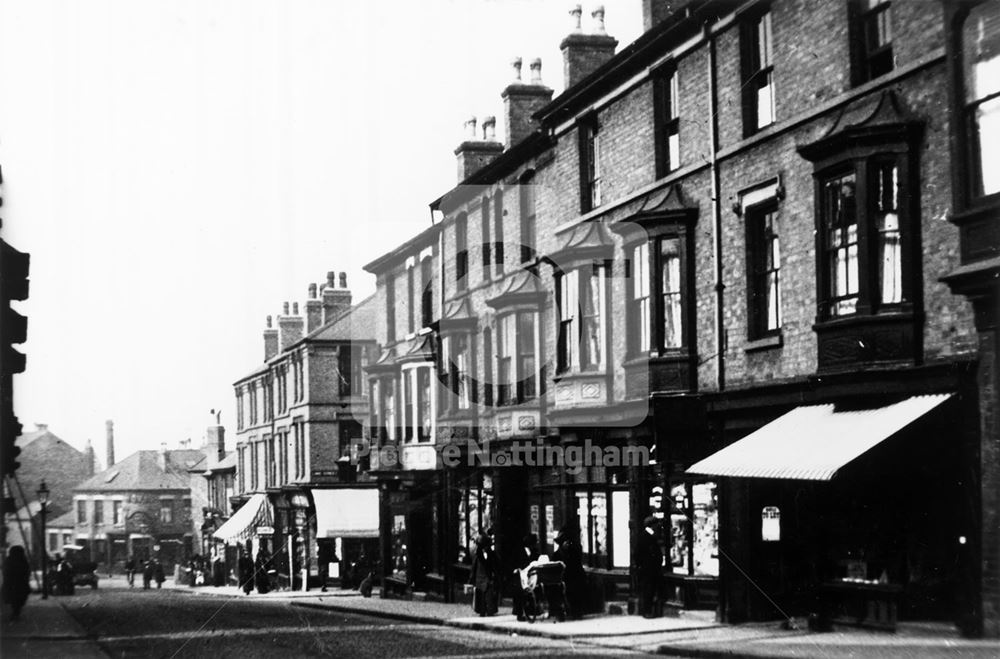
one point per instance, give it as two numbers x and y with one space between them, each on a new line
981 51
842 238
583 512
526 354
680 549
599 516
765 101
670 264
706 529
987 144
889 245
593 319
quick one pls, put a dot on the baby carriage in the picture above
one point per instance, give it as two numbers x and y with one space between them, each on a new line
544 590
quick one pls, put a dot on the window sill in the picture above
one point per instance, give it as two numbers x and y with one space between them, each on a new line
580 375
764 343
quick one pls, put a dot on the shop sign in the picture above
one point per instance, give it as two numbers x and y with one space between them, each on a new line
770 524
265 530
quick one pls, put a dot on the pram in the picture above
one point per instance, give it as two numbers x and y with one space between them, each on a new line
544 590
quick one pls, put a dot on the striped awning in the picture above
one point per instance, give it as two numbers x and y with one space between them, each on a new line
815 441
243 524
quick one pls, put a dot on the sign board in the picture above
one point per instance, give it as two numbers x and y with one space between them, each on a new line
265 530
770 524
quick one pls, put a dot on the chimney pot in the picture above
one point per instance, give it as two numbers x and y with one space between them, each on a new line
575 14
470 128
343 280
598 16
312 291
284 309
331 278
516 63
489 128
536 71
269 322
295 308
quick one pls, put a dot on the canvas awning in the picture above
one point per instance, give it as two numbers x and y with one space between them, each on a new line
243 524
815 441
346 513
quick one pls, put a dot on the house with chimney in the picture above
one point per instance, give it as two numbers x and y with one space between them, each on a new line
299 492
757 254
44 457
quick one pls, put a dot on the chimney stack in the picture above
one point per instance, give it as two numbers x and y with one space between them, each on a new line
335 300
215 439
161 457
314 311
90 457
474 153
585 53
290 327
654 11
110 434
270 340
521 101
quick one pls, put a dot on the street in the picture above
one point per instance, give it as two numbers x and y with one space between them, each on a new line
172 623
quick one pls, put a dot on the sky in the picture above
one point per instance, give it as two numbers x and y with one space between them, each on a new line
179 169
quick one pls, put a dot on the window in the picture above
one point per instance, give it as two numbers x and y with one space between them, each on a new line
268 391
390 309
528 238
419 404
488 366
425 418
116 513
667 108
242 467
872 38
516 358
487 248
253 404
81 512
427 296
763 271
758 74
166 511
590 165
658 294
239 409
456 365
411 320
857 278
981 81
694 529
580 296
498 215
98 512
344 367
461 252
592 511
270 460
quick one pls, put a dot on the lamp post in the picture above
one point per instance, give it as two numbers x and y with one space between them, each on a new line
43 500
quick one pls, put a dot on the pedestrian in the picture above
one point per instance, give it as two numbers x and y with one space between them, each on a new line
15 587
64 576
325 553
525 557
130 571
218 570
244 568
484 576
261 576
649 568
147 574
158 573
570 553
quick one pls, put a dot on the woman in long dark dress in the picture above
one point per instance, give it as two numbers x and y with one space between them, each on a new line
483 577
244 567
571 554
15 580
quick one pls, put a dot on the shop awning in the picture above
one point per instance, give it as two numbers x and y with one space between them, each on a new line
814 442
346 513
243 524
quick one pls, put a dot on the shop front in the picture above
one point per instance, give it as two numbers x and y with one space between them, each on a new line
412 541
251 527
347 532
853 512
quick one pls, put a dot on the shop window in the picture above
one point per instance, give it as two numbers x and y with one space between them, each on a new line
475 506
763 271
399 556
871 37
980 52
694 529
667 120
592 511
758 73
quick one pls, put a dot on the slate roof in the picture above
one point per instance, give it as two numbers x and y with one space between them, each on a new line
64 521
355 324
141 471
225 464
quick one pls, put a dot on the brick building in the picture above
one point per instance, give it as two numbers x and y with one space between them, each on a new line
298 492
759 244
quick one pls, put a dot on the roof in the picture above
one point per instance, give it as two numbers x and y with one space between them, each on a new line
355 324
141 471
225 464
66 520
400 252
814 442
42 432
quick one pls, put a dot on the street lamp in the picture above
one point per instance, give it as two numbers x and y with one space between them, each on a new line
43 500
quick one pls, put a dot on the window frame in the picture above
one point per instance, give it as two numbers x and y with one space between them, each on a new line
972 184
757 65
666 108
758 269
651 245
869 56
513 351
589 130
462 252
572 288
528 201
498 233
487 249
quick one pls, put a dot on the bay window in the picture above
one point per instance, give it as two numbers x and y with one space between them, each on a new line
580 294
980 79
658 295
419 402
517 347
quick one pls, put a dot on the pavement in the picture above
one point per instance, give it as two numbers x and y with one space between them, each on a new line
46 629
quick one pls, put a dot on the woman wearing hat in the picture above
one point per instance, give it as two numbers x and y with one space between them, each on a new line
649 559
483 577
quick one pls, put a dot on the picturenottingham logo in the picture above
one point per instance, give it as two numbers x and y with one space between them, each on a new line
573 458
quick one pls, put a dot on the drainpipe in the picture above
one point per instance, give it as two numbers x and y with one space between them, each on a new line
720 287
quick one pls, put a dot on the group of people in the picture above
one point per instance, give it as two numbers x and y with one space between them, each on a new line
152 570
255 572
487 570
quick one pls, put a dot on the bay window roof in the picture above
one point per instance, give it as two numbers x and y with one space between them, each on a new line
588 241
522 289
